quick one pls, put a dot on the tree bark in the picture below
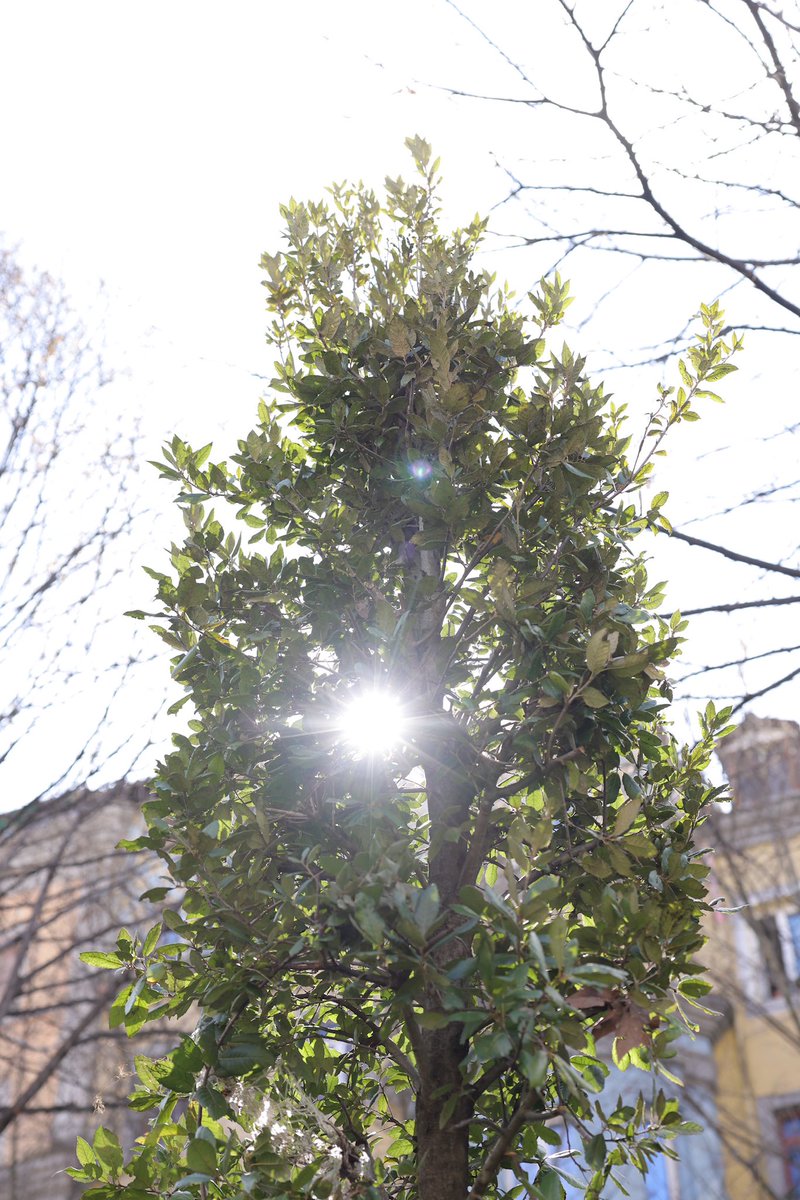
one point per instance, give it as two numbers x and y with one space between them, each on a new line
443 1153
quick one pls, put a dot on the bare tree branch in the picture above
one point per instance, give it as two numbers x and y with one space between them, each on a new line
735 555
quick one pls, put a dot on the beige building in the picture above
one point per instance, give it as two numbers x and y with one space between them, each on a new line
64 888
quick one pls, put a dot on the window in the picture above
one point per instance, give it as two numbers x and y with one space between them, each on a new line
789 1127
793 930
768 951
771 946
787 924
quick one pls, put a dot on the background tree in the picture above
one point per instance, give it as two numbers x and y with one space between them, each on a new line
67 508
666 154
434 835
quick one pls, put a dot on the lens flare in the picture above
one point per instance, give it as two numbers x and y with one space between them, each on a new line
421 469
372 724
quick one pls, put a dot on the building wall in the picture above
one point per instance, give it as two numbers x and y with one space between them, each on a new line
754 953
65 889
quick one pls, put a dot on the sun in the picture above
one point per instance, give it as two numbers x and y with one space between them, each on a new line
372 723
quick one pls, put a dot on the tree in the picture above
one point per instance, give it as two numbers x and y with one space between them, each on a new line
667 149
65 513
630 207
435 836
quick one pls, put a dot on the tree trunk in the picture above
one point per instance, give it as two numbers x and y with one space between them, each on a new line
443 1153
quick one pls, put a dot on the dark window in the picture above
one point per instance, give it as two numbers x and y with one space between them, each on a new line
769 941
789 1125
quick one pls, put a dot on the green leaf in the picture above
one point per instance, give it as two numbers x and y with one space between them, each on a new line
202 1156
720 372
213 1102
84 1153
433 1020
694 988
151 941
144 1069
549 1185
687 1127
106 1147
559 682
598 652
239 1058
627 814
639 845
631 786
98 958
420 150
427 909
533 1065
116 1015
448 1108
369 920
595 1151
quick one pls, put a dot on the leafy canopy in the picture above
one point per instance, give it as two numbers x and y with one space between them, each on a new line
402 950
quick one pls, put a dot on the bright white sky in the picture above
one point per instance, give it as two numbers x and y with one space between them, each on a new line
150 145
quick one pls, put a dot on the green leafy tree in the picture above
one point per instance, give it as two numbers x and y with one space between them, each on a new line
434 836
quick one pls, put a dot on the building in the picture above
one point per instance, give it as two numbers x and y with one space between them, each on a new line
65 888
741 1071
753 954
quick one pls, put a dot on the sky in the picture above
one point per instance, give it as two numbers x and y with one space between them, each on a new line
144 154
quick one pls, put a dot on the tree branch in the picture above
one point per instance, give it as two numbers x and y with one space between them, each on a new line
778 568
494 1159
12 1111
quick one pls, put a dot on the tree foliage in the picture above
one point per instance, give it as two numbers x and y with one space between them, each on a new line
402 960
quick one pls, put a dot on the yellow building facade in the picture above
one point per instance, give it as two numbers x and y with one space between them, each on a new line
753 954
